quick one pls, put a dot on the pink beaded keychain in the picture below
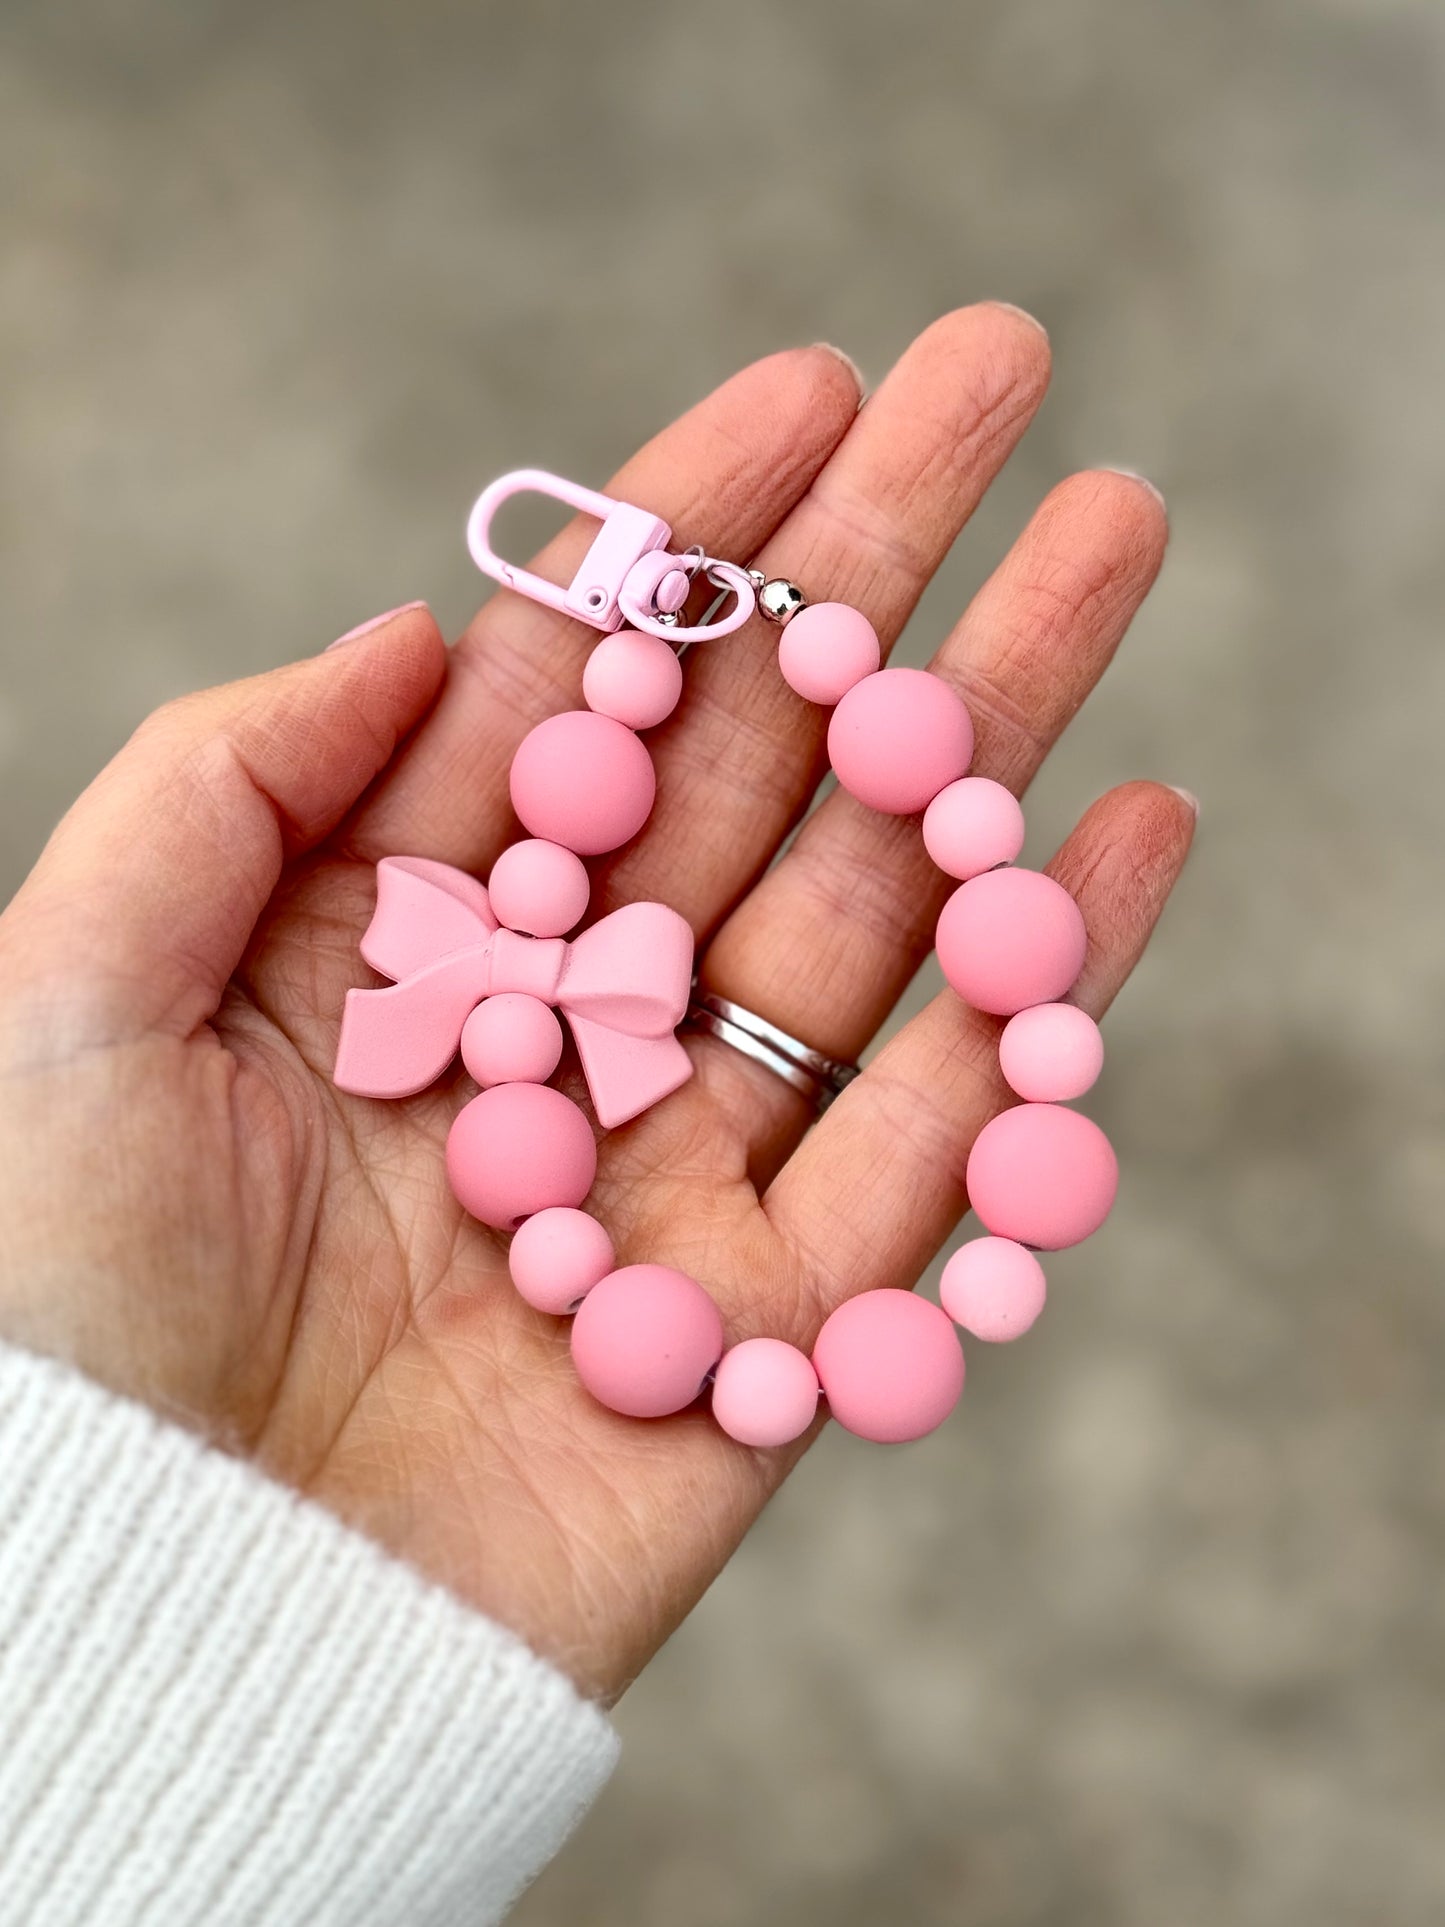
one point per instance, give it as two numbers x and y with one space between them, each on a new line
485 969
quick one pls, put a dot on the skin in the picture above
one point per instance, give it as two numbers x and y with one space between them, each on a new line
191 1213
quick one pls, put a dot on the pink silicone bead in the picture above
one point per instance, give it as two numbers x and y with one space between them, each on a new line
584 781
645 1339
972 826
1042 1175
890 1364
1010 939
556 1258
897 738
1051 1052
511 1039
993 1288
826 649
765 1392
539 888
634 678
517 1149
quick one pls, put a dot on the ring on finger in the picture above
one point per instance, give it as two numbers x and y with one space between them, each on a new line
810 1072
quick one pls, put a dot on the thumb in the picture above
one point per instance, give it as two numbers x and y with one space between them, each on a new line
145 897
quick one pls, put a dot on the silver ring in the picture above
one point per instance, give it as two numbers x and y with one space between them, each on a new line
808 1071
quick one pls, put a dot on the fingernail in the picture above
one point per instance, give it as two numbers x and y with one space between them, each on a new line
848 362
1012 307
376 622
1189 797
1133 475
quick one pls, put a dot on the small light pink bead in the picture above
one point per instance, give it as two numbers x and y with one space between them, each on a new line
972 826
897 738
993 1288
584 781
1010 939
1042 1175
557 1256
511 1039
519 1148
826 649
634 678
1051 1053
765 1392
890 1364
644 1340
539 888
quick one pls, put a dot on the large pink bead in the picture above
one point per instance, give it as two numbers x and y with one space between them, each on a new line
827 648
633 677
519 1148
539 888
511 1039
1011 939
897 738
972 826
584 781
765 1392
993 1288
556 1258
645 1339
1042 1175
890 1364
1051 1053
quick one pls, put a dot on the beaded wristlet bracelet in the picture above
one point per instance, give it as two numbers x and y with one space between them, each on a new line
485 969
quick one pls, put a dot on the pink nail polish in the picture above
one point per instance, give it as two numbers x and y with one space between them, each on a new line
376 622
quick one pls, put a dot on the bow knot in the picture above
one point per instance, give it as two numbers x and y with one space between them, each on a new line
622 986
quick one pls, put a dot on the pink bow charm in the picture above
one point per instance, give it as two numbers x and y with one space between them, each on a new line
622 986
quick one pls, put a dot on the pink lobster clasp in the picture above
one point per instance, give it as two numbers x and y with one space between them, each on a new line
627 575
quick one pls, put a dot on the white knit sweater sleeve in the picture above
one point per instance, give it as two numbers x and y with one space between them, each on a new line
219 1705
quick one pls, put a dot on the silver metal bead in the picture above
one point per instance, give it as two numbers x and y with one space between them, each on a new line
756 577
780 601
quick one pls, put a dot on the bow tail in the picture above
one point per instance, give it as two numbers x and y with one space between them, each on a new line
625 1075
395 1042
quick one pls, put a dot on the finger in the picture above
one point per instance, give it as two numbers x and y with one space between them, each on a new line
742 757
830 938
142 903
874 1190
724 473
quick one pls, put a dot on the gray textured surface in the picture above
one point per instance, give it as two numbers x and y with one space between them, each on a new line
1152 1633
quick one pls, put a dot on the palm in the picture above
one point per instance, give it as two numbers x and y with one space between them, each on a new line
398 1375
286 1265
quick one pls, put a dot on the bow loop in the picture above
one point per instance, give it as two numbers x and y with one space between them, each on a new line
424 911
632 971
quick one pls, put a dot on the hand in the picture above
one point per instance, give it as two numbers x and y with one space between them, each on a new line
191 1213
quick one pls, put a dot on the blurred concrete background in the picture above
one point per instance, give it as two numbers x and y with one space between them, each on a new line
1151 1634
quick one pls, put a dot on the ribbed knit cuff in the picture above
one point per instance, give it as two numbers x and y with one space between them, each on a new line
219 1705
